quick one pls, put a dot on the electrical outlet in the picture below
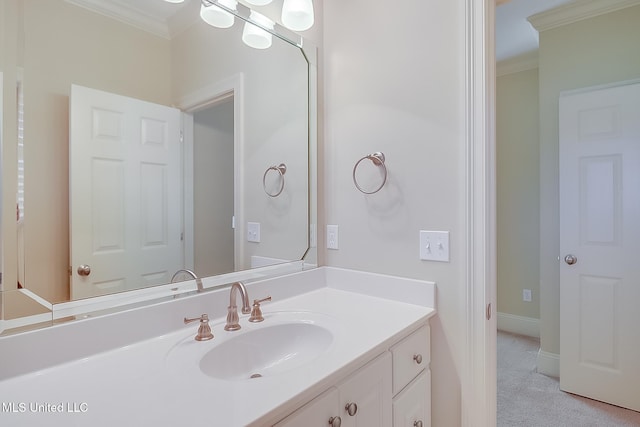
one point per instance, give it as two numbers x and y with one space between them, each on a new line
332 237
526 295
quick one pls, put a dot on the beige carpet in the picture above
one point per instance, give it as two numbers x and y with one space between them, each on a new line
527 398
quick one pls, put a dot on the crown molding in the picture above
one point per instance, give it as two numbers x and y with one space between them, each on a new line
125 13
575 11
527 61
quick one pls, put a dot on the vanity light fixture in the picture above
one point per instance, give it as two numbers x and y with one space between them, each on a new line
174 1
297 15
258 30
215 16
253 35
259 2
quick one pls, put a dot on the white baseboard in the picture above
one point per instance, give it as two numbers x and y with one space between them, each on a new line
548 364
521 325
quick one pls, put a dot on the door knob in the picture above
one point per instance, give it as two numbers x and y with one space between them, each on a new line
570 259
351 408
84 270
335 421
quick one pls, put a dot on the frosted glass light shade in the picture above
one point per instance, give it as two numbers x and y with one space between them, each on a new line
297 15
259 2
254 36
174 1
215 16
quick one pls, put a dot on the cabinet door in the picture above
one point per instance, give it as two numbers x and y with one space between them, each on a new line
412 407
369 389
316 413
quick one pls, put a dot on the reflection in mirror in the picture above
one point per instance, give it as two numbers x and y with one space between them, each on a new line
242 111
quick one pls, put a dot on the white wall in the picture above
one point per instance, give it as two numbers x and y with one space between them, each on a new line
394 82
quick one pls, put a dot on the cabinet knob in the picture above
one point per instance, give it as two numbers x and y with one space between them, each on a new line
335 421
351 408
418 358
417 424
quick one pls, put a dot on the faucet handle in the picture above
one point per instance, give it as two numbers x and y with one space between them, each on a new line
256 312
204 330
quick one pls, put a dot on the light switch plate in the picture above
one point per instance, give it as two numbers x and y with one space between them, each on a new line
434 245
253 232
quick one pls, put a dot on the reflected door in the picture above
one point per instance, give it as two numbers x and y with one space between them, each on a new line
600 244
125 191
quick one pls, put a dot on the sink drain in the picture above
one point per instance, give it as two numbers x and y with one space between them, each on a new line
256 376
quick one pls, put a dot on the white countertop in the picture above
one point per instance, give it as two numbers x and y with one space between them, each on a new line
139 385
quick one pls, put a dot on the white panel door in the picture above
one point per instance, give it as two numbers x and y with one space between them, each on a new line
125 191
600 244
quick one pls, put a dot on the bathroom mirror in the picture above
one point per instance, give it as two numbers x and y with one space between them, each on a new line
254 103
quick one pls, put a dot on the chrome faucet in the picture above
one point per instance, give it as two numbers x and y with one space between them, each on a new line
232 314
190 273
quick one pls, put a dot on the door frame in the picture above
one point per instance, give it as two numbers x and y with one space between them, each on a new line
479 373
191 103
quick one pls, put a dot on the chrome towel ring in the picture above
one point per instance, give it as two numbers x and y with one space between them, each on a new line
378 159
281 169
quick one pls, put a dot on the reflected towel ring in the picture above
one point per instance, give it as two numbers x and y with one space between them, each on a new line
281 169
378 159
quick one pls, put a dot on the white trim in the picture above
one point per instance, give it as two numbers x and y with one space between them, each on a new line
478 373
577 11
548 364
211 95
521 325
586 89
528 61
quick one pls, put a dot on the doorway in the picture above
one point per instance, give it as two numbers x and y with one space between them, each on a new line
213 189
568 60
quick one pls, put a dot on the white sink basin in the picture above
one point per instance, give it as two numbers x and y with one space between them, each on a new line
282 342
266 351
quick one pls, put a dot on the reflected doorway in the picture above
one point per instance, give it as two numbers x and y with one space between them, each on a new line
213 169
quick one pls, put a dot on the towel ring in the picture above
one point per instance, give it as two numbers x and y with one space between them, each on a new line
281 169
378 159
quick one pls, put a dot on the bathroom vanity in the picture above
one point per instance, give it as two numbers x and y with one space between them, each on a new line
336 347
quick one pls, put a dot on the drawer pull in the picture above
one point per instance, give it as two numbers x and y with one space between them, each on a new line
418 359
336 421
417 424
351 408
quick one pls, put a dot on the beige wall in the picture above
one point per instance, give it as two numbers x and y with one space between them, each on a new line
65 44
394 82
9 23
518 203
591 52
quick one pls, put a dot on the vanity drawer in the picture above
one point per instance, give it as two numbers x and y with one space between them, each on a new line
410 356
412 407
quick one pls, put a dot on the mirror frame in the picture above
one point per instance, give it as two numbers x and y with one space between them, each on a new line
107 304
